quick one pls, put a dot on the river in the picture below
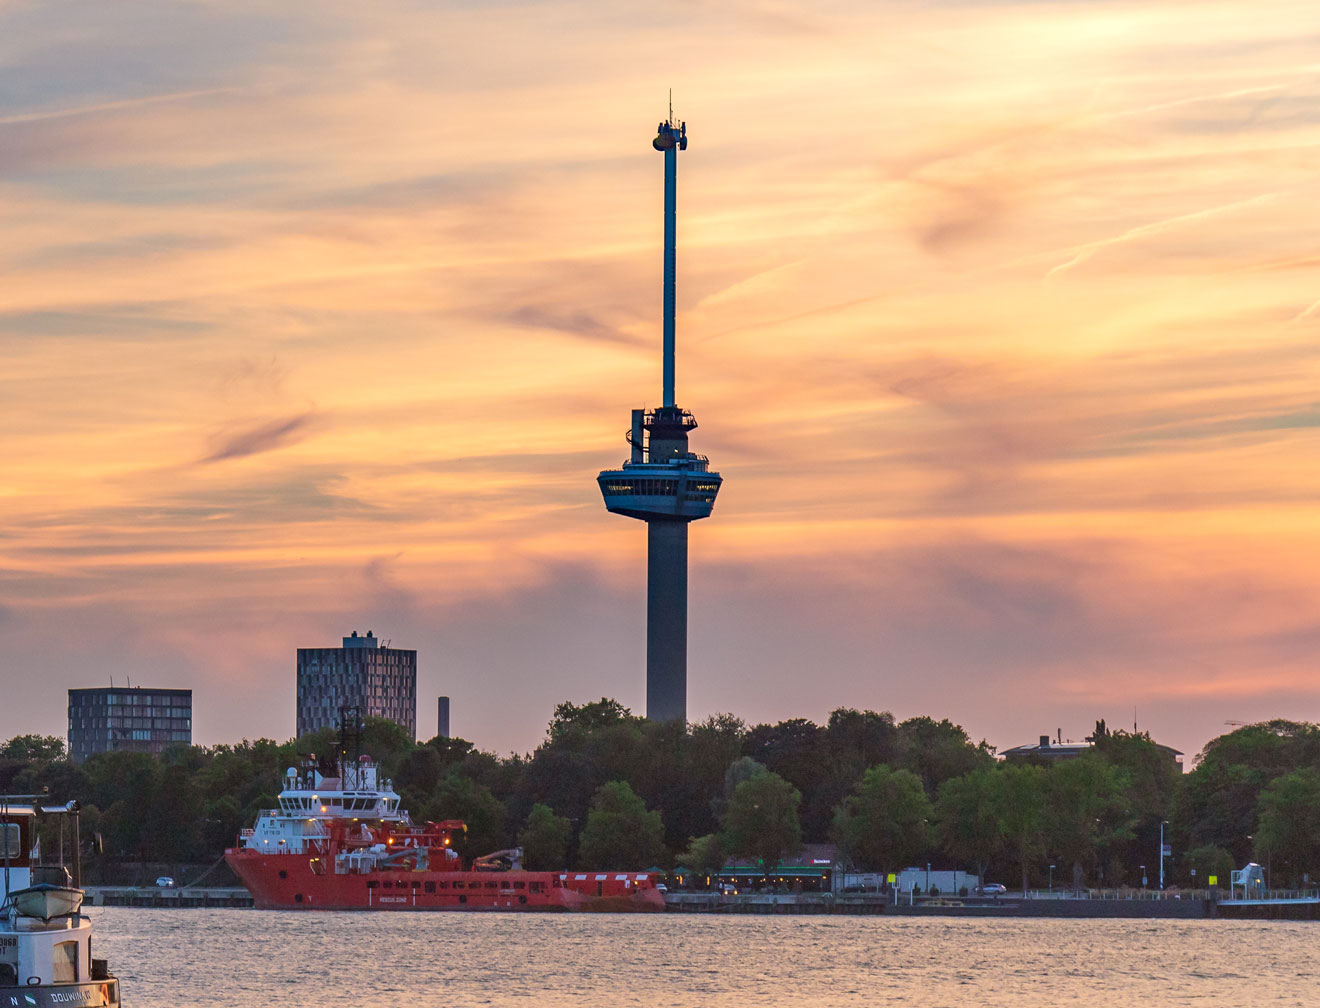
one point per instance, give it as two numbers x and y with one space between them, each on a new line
271 959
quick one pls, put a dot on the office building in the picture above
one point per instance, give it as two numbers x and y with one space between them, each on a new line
129 719
380 680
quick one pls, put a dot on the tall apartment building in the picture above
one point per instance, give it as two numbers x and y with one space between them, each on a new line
128 719
380 680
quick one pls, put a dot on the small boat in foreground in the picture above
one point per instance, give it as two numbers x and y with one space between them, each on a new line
45 941
47 902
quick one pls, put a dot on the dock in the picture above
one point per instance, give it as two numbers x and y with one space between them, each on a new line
154 896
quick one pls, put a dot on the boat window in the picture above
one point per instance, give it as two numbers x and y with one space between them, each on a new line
492 885
519 885
372 884
430 887
417 885
459 885
66 962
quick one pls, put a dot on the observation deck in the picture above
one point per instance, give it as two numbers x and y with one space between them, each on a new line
677 488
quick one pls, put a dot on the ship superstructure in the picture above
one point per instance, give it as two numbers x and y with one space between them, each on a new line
664 484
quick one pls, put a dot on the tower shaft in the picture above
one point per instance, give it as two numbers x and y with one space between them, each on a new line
671 241
666 619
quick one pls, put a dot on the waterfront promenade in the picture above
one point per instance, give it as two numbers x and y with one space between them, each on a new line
1151 904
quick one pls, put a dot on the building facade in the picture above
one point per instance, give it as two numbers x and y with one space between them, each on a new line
380 680
131 719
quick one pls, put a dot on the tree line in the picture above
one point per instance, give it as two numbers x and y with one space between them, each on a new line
606 788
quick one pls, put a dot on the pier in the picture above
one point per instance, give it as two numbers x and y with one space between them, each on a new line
154 896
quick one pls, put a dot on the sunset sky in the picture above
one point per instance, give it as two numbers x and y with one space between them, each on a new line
1001 322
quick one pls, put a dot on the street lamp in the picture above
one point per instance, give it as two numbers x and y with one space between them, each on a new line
1143 876
1051 878
1162 851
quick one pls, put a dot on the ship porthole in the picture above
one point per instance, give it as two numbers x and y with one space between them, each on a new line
522 899
283 873
462 899
297 898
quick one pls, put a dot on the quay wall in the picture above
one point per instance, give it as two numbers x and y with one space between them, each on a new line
860 903
151 896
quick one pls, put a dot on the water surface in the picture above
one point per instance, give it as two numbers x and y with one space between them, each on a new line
273 959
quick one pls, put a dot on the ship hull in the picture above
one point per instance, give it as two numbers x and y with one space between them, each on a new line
89 994
288 882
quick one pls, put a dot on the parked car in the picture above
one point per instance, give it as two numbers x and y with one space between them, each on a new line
993 889
165 882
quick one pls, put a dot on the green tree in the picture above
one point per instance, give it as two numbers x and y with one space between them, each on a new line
34 747
620 831
967 824
704 855
1209 861
585 747
1217 803
1090 812
176 817
761 820
798 751
885 822
573 720
1288 835
937 751
544 839
461 798
1020 809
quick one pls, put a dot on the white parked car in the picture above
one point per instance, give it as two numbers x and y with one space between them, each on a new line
165 882
993 889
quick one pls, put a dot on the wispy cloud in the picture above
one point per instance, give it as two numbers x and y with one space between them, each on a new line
1082 253
263 437
112 106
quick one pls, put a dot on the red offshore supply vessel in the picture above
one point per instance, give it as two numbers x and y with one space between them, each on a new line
342 843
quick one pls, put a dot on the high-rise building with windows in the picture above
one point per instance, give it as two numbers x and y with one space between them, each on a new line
380 680
128 719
